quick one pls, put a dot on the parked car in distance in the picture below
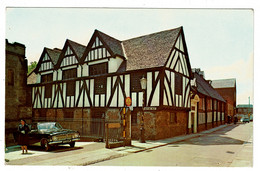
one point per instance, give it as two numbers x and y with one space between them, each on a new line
245 120
49 134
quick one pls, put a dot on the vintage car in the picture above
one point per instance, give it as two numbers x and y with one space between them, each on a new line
49 134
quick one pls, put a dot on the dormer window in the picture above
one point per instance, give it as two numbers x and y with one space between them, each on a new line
98 69
69 74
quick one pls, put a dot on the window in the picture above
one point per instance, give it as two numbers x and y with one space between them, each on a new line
47 78
173 117
100 85
209 103
70 91
48 91
135 81
178 84
98 69
10 77
70 73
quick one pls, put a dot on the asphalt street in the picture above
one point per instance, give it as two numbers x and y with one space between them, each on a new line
229 146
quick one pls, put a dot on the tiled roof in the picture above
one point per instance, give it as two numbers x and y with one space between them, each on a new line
224 83
54 54
78 48
205 88
31 78
150 50
114 44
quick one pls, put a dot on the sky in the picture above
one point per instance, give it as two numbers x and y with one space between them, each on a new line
219 41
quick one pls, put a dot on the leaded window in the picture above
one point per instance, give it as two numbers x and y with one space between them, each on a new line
70 91
69 74
48 91
135 81
47 78
178 84
98 69
100 85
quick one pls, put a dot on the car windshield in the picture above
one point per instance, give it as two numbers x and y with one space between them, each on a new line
51 125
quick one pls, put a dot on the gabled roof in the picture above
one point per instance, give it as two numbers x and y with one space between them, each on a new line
224 83
79 49
205 88
150 50
54 54
114 44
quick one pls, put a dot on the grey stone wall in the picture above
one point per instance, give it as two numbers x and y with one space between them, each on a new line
17 93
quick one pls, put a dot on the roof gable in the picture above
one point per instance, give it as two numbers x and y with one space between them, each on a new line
72 52
102 46
77 48
49 57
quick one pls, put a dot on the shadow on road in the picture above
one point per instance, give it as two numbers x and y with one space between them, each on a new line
214 138
56 149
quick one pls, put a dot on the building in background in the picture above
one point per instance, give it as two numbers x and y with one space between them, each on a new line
17 94
207 105
80 85
245 110
227 89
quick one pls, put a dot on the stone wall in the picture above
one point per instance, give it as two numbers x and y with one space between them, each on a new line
17 98
158 126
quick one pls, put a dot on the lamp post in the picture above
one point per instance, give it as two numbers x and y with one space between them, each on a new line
143 82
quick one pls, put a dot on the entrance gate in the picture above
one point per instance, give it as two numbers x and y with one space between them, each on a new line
118 131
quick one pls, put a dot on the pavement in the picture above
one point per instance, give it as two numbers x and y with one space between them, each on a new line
87 153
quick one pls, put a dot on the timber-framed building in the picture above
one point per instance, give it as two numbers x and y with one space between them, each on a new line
80 84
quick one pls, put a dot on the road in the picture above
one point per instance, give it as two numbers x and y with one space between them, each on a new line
229 146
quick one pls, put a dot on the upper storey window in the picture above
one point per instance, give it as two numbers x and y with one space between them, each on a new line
178 83
98 69
46 63
47 78
135 81
69 74
69 58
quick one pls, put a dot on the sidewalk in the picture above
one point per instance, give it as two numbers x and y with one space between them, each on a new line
89 153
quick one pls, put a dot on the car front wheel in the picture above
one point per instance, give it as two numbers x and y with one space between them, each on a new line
72 144
45 145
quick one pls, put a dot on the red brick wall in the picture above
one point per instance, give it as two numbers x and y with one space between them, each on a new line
229 94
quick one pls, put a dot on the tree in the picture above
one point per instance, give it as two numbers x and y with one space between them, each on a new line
32 66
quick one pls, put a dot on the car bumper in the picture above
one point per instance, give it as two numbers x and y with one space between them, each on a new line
63 141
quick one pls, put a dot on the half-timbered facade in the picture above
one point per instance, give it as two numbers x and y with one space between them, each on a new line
207 105
93 81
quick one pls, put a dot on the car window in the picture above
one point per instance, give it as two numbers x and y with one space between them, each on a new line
49 126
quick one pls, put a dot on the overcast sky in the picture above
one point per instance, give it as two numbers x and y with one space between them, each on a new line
219 41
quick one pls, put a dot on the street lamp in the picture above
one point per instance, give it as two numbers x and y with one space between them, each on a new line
143 82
